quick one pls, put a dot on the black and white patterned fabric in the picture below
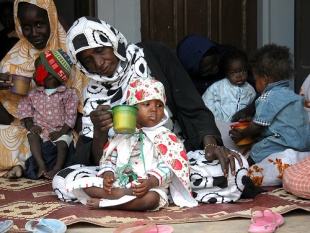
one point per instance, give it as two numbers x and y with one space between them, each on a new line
87 33
68 175
208 183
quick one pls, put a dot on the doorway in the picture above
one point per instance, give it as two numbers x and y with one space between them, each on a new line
223 21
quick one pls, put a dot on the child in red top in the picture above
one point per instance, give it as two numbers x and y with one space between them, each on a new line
49 111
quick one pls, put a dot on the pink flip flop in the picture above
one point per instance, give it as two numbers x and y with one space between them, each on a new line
264 220
264 215
257 228
149 227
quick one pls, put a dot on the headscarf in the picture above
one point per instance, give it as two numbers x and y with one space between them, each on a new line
145 89
87 33
191 50
20 59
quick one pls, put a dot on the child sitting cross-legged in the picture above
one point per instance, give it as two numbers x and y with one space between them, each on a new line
49 114
139 169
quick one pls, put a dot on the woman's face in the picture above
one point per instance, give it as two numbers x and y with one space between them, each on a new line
99 60
209 65
149 113
35 25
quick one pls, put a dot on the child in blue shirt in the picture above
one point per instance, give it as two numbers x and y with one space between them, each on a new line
280 119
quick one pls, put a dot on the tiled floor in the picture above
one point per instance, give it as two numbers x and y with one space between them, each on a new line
297 221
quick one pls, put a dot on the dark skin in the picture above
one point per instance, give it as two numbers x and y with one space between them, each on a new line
6 119
209 65
149 114
104 62
238 134
5 83
34 24
261 82
50 82
36 29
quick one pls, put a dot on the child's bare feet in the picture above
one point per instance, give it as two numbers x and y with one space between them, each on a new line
50 174
92 203
15 172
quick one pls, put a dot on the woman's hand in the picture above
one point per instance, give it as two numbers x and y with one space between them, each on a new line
102 118
5 81
102 121
225 156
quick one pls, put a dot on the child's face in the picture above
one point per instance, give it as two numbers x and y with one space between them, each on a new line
149 113
237 72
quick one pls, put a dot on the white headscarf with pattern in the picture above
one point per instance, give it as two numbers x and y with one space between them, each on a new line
87 33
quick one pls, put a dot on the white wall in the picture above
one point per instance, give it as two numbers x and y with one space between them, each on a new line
275 22
124 15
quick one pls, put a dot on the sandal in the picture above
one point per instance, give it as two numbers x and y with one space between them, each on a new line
264 220
46 226
264 215
150 227
257 228
5 226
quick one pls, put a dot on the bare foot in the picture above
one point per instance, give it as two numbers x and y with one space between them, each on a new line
15 172
92 203
50 174
41 172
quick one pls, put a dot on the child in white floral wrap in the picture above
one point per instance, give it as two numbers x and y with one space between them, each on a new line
139 169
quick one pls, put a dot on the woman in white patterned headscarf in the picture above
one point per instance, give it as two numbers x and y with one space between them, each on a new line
110 63
20 59
104 89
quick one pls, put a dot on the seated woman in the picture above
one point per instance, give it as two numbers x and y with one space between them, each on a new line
102 53
201 57
40 17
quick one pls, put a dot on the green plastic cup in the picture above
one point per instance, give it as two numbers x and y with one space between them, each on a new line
124 118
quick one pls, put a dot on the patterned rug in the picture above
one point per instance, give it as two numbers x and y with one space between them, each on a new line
22 200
